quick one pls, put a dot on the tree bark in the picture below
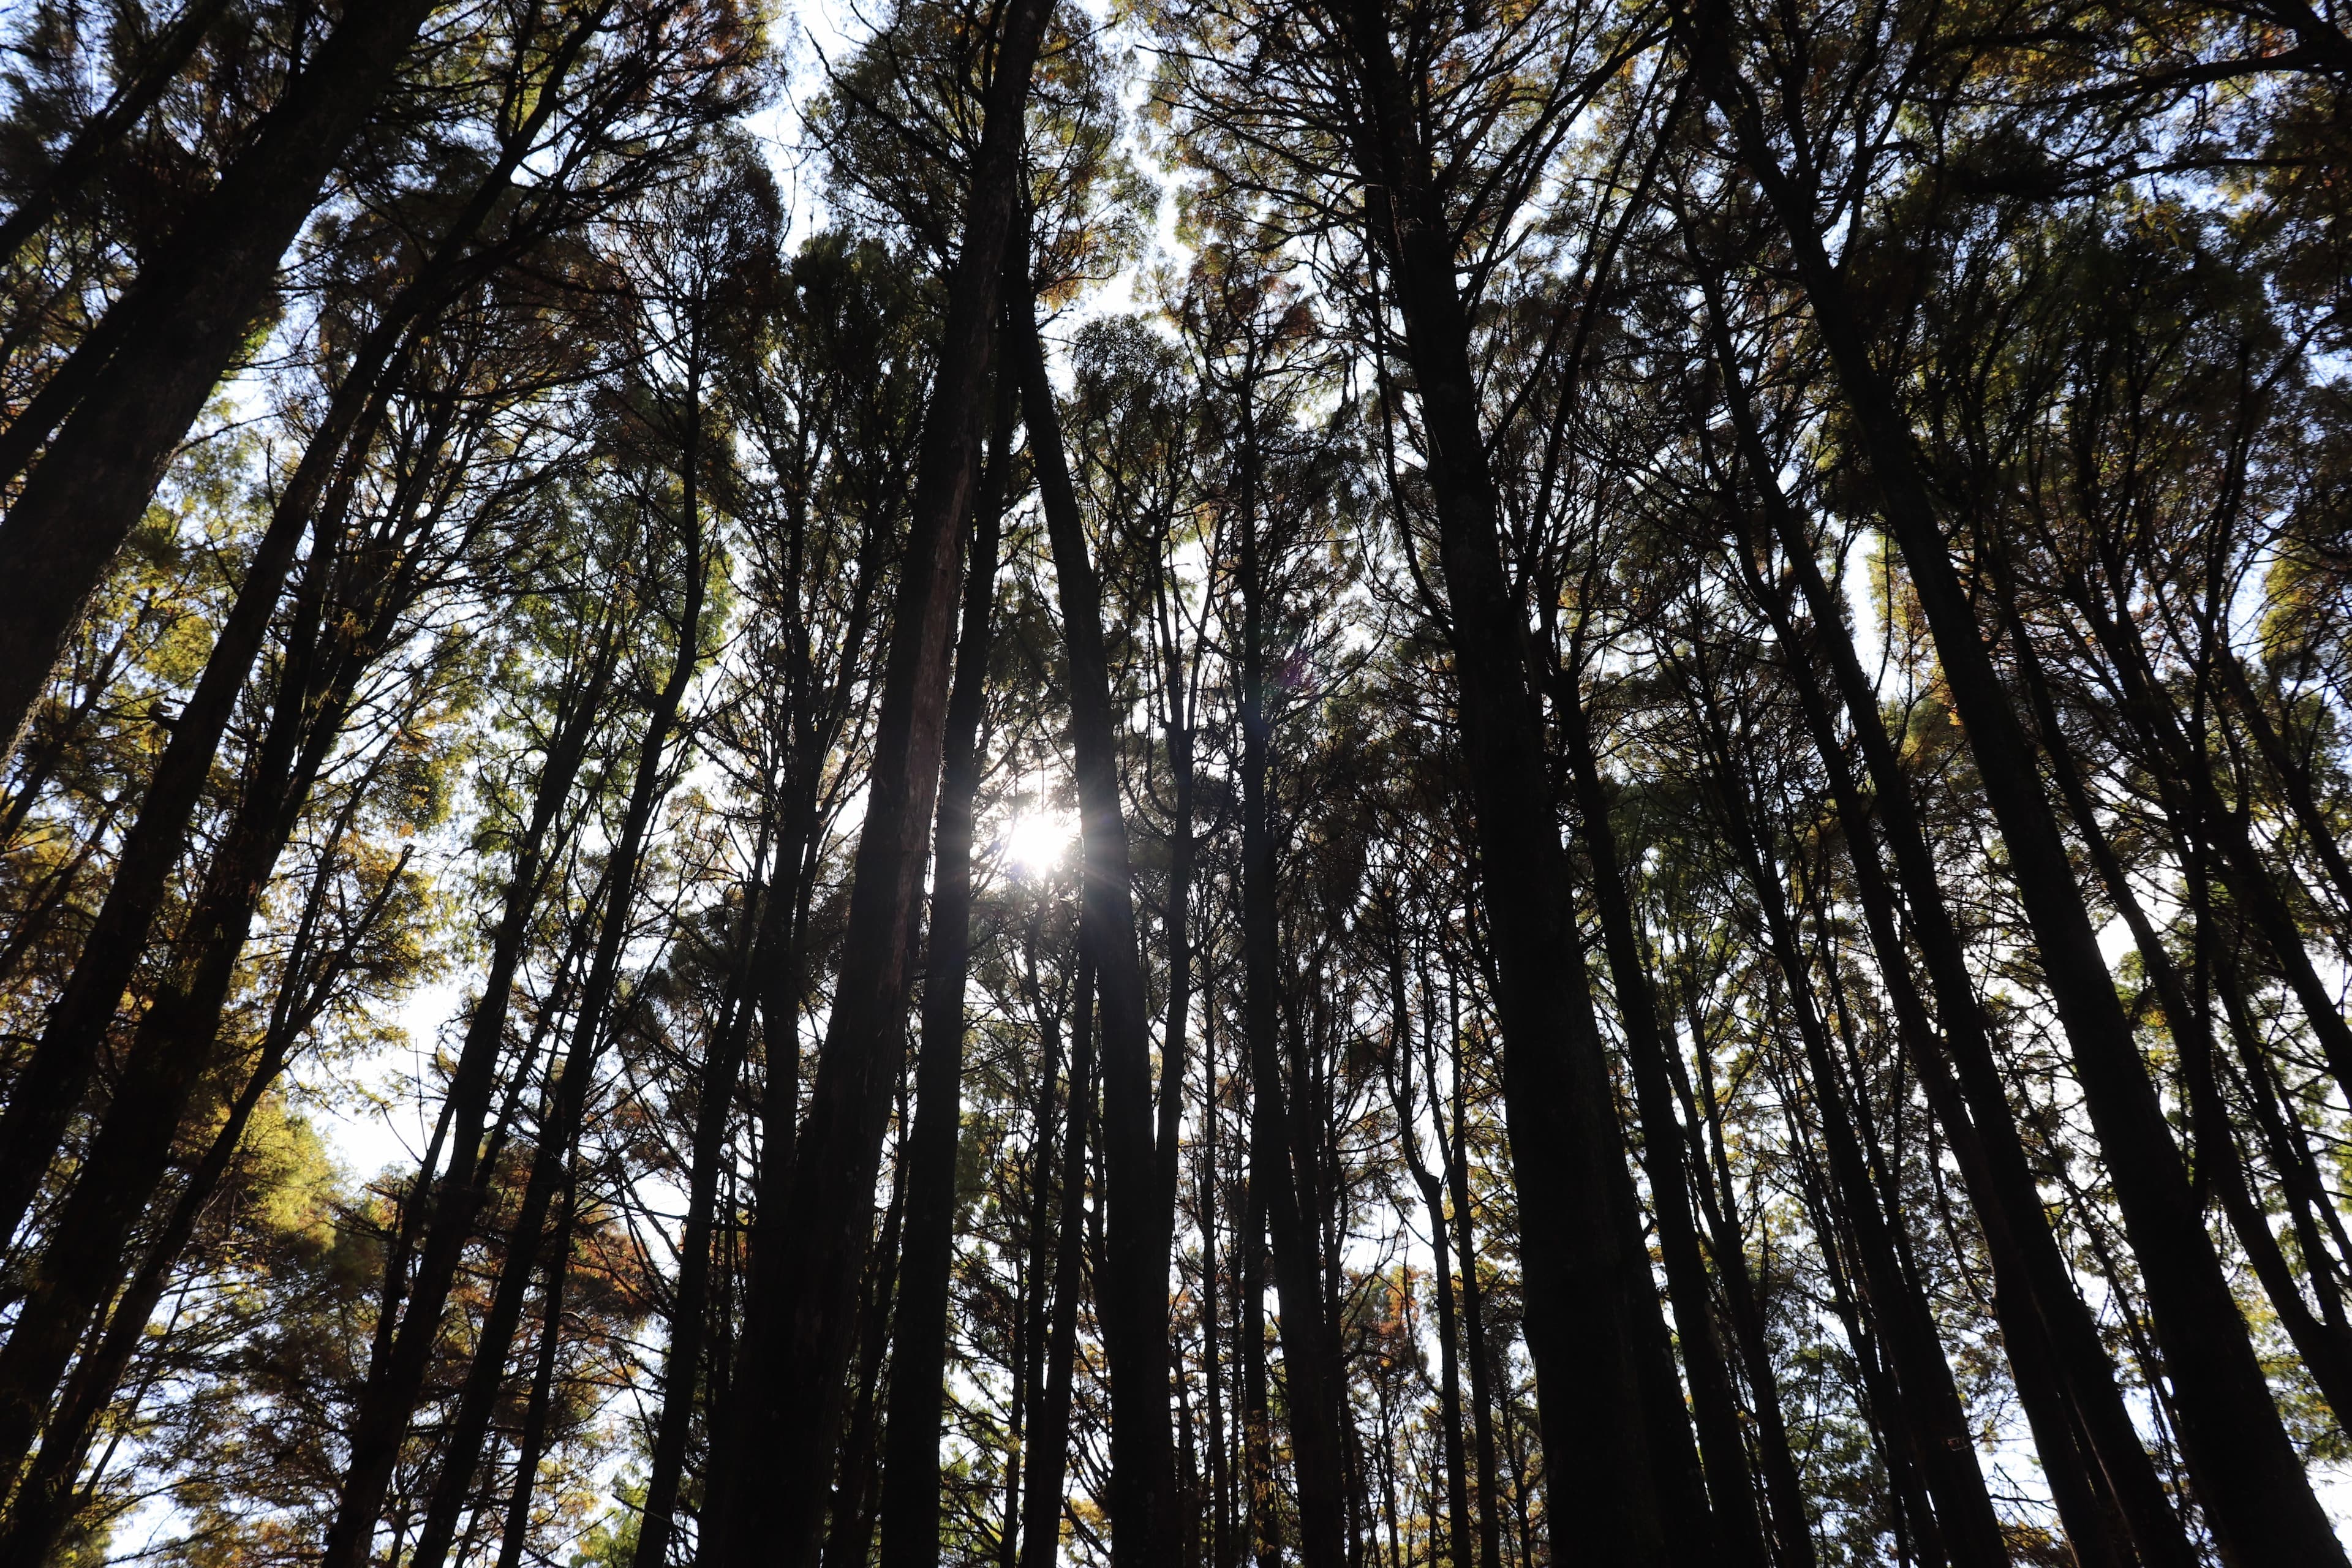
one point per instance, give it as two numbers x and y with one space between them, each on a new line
1944 1447
682 1360
2110 1501
396 1378
1723 1449
461 1445
316 497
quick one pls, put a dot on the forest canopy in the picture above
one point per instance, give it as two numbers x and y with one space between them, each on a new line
1175 783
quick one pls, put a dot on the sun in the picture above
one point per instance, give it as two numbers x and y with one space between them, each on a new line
1035 841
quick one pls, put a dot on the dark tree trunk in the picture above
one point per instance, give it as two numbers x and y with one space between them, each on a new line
180 324
1049 1450
682 1361
919 1333
1280 1159
316 497
1723 1447
2325 1349
2257 1496
849 1534
446 1207
800 1322
1132 1298
176 1038
50 1088
1465 1536
2109 1499
1944 1445
461 1443
1623 1472
43 1504
531 1446
1792 1537
1455 1153
1257 1415
1038 1299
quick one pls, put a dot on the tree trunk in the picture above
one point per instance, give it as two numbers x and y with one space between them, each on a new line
849 1534
1277 1151
1049 1450
531 1444
175 1040
919 1332
396 1377
316 497
800 1322
461 1445
43 1504
182 324
1944 1447
1433 1201
1723 1447
1455 1153
682 1361
1132 1301
2257 1496
1622 1472
1792 1537
2110 1501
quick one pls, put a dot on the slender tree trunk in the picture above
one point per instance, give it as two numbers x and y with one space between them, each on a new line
1722 1446
1623 1473
1029 1372
50 1087
849 1534
531 1447
682 1362
910 1456
44 1501
396 1376
1049 1449
2326 1350
1132 1301
1432 1200
2111 1503
1454 1156
800 1322
1792 1537
461 1445
176 1038
1945 1446
182 323
1277 1148
1225 1539
316 497
2257 1496
1257 1418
